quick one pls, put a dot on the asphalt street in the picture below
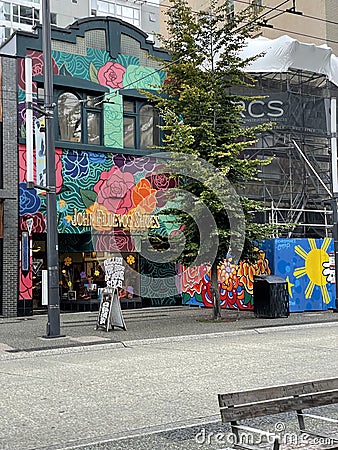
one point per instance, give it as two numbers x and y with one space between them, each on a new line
153 392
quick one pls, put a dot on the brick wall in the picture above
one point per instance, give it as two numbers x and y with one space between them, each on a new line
10 184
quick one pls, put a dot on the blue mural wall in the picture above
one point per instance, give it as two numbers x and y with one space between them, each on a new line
308 267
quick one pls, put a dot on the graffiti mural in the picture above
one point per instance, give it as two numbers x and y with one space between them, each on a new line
110 196
306 264
235 283
308 267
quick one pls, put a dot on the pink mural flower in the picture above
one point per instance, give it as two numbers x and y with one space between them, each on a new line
111 75
39 222
23 166
25 285
162 181
37 67
114 190
120 241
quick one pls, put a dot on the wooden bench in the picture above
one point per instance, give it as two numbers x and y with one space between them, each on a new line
277 399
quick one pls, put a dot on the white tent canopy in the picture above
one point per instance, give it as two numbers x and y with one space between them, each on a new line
285 53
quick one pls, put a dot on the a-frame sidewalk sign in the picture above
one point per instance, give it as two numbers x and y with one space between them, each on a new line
110 313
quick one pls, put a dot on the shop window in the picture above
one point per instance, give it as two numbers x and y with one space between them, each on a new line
231 10
140 124
21 14
79 118
125 12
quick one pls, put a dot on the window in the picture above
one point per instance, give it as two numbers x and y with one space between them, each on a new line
129 14
79 118
69 117
53 19
257 4
140 124
231 9
21 14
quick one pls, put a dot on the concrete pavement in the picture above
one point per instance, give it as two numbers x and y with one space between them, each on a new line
155 385
26 333
145 394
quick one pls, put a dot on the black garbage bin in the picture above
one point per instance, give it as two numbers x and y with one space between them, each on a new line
271 297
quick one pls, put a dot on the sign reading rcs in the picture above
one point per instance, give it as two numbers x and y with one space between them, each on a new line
262 108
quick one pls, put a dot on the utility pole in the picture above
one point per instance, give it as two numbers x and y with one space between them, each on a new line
53 324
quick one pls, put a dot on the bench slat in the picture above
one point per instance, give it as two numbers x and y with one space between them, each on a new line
274 392
276 406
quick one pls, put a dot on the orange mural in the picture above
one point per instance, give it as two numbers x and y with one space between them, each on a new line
235 283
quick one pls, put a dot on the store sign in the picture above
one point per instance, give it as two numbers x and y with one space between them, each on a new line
289 110
263 109
104 219
114 272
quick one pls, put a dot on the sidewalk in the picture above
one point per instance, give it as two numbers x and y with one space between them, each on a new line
24 334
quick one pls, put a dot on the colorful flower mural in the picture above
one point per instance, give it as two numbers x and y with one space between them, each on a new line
96 195
103 193
235 283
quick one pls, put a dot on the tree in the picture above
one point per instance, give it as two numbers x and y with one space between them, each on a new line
202 119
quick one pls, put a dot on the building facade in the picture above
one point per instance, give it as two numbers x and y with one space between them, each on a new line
109 187
310 22
25 14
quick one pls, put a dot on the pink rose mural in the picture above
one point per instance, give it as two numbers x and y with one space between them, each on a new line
37 67
111 75
161 181
39 222
119 241
114 190
25 285
23 166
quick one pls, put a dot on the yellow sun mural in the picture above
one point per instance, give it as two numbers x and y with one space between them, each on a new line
313 260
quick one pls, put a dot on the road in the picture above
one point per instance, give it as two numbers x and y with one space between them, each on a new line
149 391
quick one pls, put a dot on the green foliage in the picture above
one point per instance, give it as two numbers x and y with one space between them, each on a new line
202 117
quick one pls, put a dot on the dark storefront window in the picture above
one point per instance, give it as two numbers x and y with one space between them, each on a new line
140 124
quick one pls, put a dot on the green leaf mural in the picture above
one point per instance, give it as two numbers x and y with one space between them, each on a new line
139 77
23 130
93 73
88 197
64 71
185 298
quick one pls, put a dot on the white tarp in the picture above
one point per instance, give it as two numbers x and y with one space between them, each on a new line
285 53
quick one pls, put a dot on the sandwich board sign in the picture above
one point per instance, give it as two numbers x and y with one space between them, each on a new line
110 313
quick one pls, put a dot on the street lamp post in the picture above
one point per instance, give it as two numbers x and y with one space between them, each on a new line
53 324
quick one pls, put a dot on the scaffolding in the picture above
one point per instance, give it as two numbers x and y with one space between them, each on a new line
295 187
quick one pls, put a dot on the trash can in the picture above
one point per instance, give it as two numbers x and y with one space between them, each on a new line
271 297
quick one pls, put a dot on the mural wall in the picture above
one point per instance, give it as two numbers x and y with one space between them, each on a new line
235 283
306 264
308 267
108 195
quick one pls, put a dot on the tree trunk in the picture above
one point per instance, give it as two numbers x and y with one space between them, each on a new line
215 292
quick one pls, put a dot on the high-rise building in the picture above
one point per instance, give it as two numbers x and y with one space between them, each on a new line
314 22
24 14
